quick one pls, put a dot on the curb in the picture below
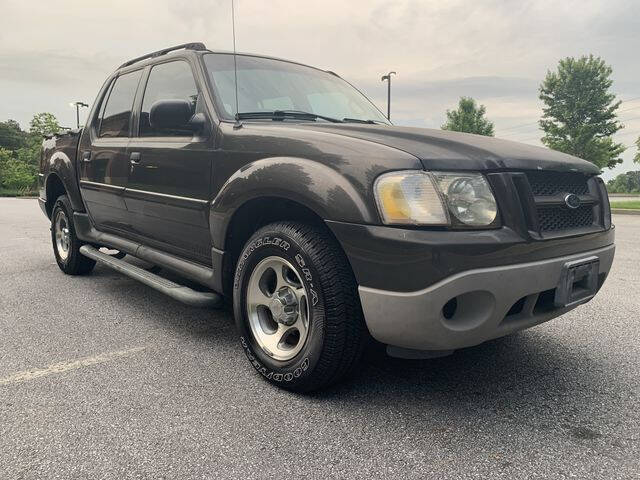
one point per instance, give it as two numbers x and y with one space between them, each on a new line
20 196
626 211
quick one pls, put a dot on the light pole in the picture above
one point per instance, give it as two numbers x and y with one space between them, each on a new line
78 105
387 77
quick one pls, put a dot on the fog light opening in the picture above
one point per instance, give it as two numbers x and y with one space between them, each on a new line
468 310
449 308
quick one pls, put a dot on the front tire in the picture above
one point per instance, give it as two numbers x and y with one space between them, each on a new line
66 245
297 308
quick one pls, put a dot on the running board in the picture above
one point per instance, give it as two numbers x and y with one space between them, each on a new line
173 290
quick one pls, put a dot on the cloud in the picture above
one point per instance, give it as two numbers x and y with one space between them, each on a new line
52 67
497 51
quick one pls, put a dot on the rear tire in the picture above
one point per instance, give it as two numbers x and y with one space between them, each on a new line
66 245
297 308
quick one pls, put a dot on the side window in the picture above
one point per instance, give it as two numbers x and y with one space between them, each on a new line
167 81
116 116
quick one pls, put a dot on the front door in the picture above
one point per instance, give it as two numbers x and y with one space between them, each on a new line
103 160
167 194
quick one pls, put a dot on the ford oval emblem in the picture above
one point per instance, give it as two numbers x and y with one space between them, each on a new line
572 200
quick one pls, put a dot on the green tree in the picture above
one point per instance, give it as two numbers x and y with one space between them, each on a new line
15 174
469 118
628 182
637 157
44 124
20 151
41 124
579 116
11 135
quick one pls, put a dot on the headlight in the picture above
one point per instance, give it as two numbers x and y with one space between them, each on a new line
409 197
468 197
435 198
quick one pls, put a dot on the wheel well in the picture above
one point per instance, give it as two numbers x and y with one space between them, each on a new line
253 215
54 189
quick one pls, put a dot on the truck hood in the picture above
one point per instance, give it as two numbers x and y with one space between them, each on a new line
446 150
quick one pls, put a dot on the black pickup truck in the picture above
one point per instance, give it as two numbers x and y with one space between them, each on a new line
282 188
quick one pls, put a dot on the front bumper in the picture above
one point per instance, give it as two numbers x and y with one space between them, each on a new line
490 302
408 260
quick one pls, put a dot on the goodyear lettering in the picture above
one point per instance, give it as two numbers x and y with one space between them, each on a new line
270 375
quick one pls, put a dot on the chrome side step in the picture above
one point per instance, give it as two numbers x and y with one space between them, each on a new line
173 290
187 269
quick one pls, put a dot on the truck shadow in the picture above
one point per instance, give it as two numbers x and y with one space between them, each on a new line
519 379
530 380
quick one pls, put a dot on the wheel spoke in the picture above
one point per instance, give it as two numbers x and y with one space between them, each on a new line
281 280
273 341
301 325
300 294
255 296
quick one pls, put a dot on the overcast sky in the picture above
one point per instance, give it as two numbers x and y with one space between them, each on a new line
52 53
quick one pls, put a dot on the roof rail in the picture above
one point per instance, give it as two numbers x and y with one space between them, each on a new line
164 51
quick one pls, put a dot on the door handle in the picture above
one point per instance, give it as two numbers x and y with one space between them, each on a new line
135 158
86 156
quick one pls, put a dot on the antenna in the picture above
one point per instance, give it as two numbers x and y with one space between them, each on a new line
387 77
235 63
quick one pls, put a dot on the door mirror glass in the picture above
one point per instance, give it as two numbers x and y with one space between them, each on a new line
171 116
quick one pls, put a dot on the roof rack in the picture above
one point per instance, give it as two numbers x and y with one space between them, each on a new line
187 46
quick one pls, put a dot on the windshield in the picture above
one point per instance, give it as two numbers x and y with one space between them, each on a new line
266 85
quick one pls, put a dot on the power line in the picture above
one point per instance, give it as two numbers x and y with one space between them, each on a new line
632 145
518 133
528 139
630 100
515 127
536 123
630 108
626 134
518 126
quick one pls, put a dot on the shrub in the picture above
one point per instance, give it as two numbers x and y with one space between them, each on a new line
15 174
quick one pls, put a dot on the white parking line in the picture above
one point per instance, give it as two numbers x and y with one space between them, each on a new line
26 375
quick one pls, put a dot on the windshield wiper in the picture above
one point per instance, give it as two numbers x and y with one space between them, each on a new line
360 120
282 114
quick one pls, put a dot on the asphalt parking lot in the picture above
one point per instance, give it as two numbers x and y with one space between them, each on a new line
101 377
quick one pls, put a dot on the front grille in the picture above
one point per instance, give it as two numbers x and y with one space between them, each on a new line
555 183
552 218
543 193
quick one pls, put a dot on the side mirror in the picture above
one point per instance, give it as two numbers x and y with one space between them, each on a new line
198 122
174 115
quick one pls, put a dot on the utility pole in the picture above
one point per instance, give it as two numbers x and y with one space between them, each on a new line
78 105
387 77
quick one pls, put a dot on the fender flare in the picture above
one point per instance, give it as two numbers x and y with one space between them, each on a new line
320 188
62 167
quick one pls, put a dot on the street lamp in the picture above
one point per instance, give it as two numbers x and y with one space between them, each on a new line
78 105
387 77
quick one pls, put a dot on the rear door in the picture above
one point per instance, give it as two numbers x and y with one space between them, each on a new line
103 160
167 195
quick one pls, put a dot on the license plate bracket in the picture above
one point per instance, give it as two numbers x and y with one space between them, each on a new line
578 282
